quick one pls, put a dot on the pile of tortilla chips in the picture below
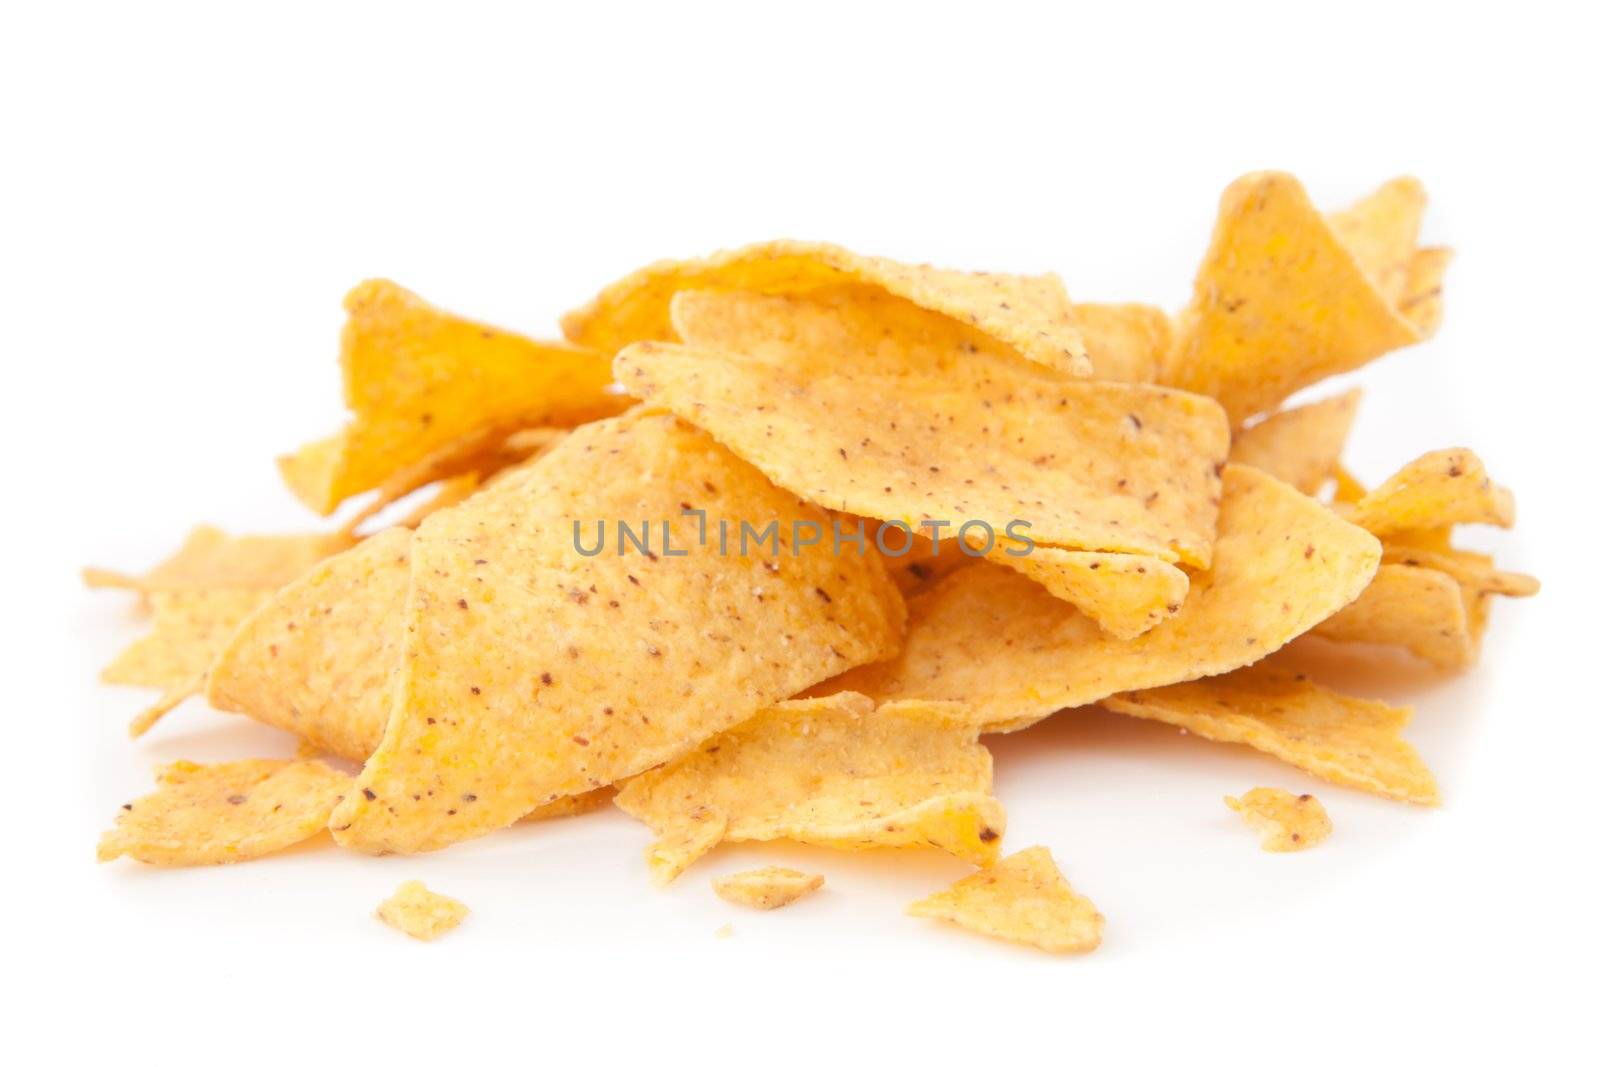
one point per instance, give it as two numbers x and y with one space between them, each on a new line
771 539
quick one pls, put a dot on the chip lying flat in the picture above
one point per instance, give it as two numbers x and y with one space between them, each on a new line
225 812
1344 739
317 660
1300 445
1280 302
191 626
1023 898
211 559
836 772
417 379
1415 608
767 887
1101 466
999 643
416 910
531 670
1286 822
1029 314
1438 489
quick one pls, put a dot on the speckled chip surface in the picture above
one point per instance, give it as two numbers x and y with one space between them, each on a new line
1287 822
417 910
766 888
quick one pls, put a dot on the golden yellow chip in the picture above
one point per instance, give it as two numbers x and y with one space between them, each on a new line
417 379
1023 898
1102 466
1423 300
416 910
1474 570
1126 342
1381 230
1001 644
225 812
190 627
1341 738
1435 490
767 887
1285 821
538 662
1028 313
1300 445
211 559
837 772
318 658
914 561
1125 594
1416 608
1279 303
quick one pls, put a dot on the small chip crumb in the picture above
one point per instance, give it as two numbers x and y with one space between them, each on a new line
416 910
1023 898
1286 822
725 930
767 887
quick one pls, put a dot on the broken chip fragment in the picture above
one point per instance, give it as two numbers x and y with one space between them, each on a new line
1287 822
1022 898
766 888
416 910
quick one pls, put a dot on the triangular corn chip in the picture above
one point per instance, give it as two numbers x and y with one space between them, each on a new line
531 670
1023 898
1001 644
417 379
1287 822
190 627
1126 342
1279 303
1416 608
318 659
767 887
1101 466
1028 313
211 559
836 772
1300 445
225 812
1423 301
1380 231
1344 739
1474 570
1438 489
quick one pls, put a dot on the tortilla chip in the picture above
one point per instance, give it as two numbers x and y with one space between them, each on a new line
318 659
1279 303
211 559
1126 342
1023 898
1030 314
417 379
531 670
1125 594
1340 738
416 910
1101 466
1347 489
569 806
767 887
1423 301
1435 490
836 772
1003 645
923 559
1475 571
1300 445
1286 822
1416 608
190 627
225 812
1380 231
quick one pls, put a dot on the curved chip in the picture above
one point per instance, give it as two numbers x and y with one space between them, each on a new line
1102 466
1380 230
1286 822
417 379
1343 739
1023 898
1435 490
212 559
1001 644
836 771
1125 594
1416 608
767 887
532 669
1030 314
1300 445
225 812
1279 302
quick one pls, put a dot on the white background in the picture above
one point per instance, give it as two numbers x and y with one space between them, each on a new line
187 194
